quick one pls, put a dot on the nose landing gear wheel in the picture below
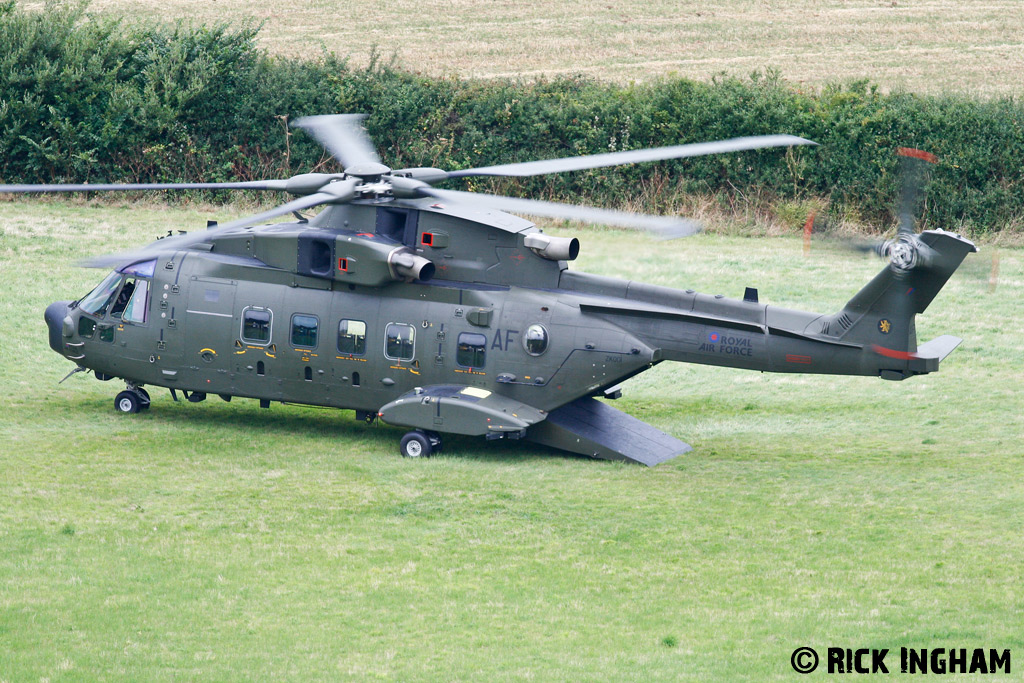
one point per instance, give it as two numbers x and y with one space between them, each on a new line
128 402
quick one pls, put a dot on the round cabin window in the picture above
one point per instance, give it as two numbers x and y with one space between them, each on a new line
535 340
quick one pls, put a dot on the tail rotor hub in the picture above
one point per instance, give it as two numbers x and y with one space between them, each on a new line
903 253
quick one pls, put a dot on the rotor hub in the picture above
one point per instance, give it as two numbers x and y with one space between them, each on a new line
367 171
903 254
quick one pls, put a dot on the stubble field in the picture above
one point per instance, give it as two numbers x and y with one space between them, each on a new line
938 46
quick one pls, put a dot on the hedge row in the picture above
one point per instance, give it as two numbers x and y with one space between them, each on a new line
90 98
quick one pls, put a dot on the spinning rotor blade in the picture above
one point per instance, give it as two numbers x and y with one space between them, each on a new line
334 192
531 168
665 226
914 175
906 250
131 187
342 136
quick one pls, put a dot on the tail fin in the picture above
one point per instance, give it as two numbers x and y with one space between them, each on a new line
881 315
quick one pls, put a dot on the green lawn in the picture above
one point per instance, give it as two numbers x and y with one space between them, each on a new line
221 542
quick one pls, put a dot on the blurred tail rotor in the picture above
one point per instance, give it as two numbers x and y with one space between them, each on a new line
905 251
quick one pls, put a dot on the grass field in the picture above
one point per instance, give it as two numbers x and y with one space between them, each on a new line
935 46
221 542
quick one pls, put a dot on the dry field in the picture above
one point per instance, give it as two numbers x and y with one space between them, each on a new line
973 46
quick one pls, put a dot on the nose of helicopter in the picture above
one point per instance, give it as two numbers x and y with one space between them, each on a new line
54 317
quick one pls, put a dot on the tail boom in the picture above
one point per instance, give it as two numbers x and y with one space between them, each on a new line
873 335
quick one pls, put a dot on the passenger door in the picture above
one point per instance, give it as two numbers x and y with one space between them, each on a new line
211 327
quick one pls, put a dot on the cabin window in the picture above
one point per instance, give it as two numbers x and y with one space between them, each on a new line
304 329
400 342
136 309
98 300
256 324
352 337
472 350
535 341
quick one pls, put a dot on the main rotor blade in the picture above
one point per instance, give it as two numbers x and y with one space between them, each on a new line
530 168
342 136
665 226
307 202
334 192
131 187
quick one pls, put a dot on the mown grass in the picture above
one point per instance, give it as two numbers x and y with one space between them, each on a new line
223 542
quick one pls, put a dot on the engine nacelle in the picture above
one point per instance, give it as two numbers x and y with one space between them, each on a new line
367 260
553 248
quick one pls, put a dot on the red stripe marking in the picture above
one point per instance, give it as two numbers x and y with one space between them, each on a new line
793 358
892 353
918 154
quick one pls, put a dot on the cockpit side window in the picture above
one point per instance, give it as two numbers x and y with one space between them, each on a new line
132 303
135 311
117 310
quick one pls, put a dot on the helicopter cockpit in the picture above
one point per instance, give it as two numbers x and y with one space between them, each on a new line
123 295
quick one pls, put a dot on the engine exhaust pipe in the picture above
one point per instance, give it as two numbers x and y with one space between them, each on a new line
410 266
553 248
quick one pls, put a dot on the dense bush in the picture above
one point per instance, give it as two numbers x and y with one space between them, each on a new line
89 98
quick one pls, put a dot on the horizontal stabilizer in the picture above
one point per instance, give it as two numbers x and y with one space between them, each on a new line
590 427
939 348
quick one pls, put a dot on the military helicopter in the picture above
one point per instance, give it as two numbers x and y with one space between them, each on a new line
437 311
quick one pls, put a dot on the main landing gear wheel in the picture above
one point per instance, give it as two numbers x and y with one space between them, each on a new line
419 444
128 402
